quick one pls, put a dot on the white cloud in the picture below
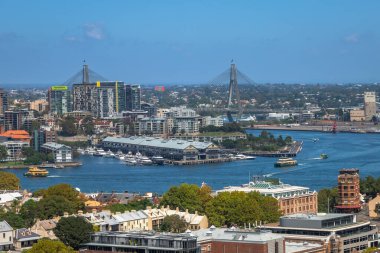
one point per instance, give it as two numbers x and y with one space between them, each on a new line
352 38
94 31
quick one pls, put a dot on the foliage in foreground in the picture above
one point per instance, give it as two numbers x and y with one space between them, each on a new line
9 181
227 208
73 231
49 246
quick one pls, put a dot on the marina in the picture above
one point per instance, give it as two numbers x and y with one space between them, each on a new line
345 150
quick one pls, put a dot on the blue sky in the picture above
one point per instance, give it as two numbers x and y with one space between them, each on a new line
184 42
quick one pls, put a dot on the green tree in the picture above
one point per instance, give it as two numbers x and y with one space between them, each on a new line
371 250
327 199
88 126
68 127
49 246
28 212
9 181
52 206
229 208
173 224
185 196
13 219
370 186
3 153
73 231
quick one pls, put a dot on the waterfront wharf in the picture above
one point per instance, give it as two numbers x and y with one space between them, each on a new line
292 151
195 162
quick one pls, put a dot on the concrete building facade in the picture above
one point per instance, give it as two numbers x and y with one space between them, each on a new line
369 105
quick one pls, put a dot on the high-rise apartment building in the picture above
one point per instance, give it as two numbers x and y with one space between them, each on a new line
369 105
3 102
15 120
59 98
133 97
348 191
102 99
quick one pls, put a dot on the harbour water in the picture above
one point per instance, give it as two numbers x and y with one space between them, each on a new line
345 150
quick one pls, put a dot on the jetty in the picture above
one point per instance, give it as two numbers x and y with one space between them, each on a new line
203 161
291 151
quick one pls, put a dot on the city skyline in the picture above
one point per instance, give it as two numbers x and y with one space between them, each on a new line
180 42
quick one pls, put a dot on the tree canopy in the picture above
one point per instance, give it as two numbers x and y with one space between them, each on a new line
68 127
229 208
327 200
49 246
370 186
225 208
3 153
185 196
73 231
9 181
173 224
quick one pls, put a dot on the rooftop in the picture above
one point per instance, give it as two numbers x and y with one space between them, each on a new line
224 234
266 188
5 227
158 142
54 145
319 216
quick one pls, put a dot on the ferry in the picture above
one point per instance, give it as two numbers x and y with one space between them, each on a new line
285 162
36 172
324 156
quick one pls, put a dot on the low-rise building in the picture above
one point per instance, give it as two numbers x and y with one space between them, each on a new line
6 236
62 153
168 148
357 115
142 220
24 238
14 149
338 233
141 242
210 121
151 126
216 240
374 207
291 199
7 198
45 228
194 221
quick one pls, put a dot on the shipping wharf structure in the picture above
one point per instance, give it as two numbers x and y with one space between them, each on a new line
177 152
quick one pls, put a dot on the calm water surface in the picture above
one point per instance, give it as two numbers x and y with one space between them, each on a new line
106 174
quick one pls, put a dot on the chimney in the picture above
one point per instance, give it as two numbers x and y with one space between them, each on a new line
196 212
177 209
148 208
118 213
65 214
168 207
80 212
187 211
94 211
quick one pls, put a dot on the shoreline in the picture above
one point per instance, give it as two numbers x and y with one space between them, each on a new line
309 129
26 166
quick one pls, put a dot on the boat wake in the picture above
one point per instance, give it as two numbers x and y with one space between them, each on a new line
316 158
54 176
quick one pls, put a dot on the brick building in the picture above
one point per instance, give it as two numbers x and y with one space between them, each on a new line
348 191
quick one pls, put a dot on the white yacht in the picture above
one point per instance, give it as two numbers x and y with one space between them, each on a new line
90 151
109 153
244 157
143 160
130 161
100 152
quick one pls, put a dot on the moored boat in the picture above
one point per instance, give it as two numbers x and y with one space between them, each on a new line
244 157
324 156
36 172
285 162
159 160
